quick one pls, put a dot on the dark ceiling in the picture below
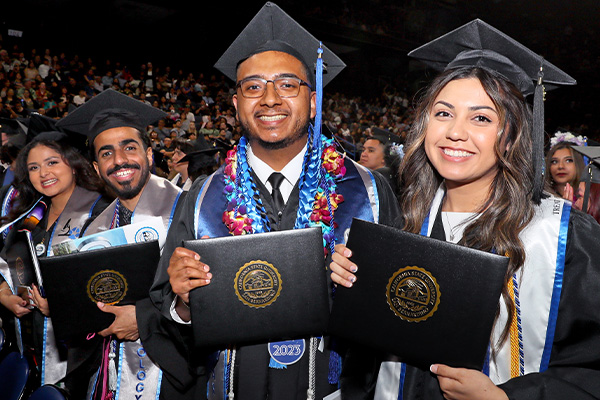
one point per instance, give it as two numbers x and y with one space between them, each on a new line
192 35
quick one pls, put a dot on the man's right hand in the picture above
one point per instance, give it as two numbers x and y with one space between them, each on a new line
187 272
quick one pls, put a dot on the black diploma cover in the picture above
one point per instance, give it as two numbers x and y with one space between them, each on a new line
118 275
265 287
425 300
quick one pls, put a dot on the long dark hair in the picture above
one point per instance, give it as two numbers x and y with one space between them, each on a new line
579 166
509 207
85 175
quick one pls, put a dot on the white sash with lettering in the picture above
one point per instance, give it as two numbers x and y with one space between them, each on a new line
137 375
68 226
540 283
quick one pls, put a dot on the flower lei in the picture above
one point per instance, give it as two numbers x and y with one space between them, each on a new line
244 213
567 137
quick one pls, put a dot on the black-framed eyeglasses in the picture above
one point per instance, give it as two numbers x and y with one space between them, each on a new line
285 87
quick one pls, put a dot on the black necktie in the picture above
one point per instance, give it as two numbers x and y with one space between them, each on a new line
275 180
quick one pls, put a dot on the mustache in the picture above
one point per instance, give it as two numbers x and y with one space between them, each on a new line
122 166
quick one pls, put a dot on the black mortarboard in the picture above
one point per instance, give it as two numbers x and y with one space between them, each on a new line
591 172
477 44
385 136
10 126
40 127
274 30
110 109
15 131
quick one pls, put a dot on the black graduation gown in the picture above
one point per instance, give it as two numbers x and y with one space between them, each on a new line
254 379
574 368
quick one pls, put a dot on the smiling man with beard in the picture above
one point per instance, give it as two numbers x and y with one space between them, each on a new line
115 125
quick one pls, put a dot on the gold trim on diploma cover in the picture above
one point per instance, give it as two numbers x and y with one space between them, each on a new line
257 284
413 294
107 286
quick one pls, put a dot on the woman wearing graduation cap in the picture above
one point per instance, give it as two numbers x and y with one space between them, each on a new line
58 193
472 174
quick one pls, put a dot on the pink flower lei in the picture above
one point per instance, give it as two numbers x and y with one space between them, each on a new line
235 216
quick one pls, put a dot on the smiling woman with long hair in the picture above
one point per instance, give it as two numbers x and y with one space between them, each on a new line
471 175
63 192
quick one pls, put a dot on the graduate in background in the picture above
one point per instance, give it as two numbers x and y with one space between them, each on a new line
472 174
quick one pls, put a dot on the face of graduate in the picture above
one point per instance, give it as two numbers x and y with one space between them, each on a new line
272 122
179 167
122 162
49 173
562 166
372 156
461 134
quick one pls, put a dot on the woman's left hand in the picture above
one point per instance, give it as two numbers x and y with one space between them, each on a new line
40 302
466 384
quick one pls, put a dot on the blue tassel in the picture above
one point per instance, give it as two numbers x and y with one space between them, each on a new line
335 368
276 365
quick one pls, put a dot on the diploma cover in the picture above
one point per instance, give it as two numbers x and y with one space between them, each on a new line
424 300
118 275
265 287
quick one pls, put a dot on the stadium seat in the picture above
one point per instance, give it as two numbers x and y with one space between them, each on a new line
14 371
47 392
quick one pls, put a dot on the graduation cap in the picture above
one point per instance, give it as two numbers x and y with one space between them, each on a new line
274 30
15 131
591 172
202 156
477 44
110 109
41 127
385 136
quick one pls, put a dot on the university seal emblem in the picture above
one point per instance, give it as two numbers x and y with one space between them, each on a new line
257 284
413 294
107 286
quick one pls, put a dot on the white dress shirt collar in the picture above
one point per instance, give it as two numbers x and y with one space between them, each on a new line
291 171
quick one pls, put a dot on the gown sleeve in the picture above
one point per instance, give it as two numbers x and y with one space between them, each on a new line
574 368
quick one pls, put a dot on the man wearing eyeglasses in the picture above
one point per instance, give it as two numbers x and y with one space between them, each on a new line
272 169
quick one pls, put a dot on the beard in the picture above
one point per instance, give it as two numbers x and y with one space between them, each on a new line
124 190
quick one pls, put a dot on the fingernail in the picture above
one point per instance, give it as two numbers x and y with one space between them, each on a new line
433 368
197 257
354 268
347 253
206 268
208 276
352 279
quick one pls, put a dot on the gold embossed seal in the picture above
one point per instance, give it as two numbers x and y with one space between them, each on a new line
107 286
257 284
413 294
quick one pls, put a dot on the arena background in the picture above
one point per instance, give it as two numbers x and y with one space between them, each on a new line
371 36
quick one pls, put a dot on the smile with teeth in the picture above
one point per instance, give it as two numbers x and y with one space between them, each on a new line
49 182
124 173
271 118
457 153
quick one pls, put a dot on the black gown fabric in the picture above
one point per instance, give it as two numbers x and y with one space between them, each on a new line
574 368
254 379
32 324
